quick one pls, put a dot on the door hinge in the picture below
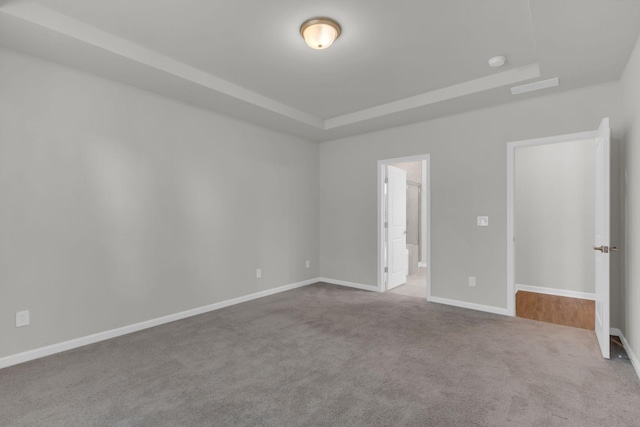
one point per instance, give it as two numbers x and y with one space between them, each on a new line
386 180
386 269
386 224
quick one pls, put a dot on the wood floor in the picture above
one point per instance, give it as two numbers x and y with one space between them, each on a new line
579 313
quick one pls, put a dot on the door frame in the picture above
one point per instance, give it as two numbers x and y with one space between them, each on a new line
511 194
380 223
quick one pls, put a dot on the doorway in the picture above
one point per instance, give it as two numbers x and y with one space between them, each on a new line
541 249
554 218
404 226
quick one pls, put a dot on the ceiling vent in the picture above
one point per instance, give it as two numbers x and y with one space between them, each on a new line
530 87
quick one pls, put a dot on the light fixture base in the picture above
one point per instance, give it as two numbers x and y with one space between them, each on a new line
320 32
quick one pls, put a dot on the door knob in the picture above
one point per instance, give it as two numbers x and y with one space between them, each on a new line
613 249
603 249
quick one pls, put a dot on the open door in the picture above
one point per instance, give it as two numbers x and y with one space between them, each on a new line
396 226
602 243
602 247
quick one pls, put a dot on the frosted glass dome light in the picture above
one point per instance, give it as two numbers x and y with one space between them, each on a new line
320 33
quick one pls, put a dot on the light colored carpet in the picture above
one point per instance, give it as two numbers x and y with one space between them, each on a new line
327 355
416 285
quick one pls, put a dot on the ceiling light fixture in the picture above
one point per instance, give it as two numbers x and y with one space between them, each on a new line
320 33
497 61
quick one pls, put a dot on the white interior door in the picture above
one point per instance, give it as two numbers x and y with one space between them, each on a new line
396 226
602 249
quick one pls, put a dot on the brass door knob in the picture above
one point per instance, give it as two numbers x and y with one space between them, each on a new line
605 249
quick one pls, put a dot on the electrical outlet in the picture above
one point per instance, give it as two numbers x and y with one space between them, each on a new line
472 280
308 264
259 273
22 318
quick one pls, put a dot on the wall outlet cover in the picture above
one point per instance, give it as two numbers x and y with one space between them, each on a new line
472 280
259 273
308 264
483 221
22 318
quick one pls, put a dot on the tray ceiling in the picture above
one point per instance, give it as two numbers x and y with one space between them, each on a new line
396 62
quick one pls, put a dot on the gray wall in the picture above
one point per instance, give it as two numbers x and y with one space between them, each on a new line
119 206
554 216
468 178
631 182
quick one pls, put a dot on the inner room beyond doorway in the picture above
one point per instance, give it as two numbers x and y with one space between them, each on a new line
415 230
415 286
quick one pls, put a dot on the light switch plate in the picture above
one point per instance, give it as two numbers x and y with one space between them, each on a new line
483 221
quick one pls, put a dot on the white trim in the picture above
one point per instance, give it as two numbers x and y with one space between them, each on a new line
558 292
348 284
380 225
491 81
627 347
511 246
422 265
470 305
37 353
426 158
428 264
511 195
615 332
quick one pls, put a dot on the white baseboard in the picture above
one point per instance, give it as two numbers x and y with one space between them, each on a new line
101 336
469 305
558 292
349 284
632 356
422 264
615 332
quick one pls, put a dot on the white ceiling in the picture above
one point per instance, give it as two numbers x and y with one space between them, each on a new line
395 63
